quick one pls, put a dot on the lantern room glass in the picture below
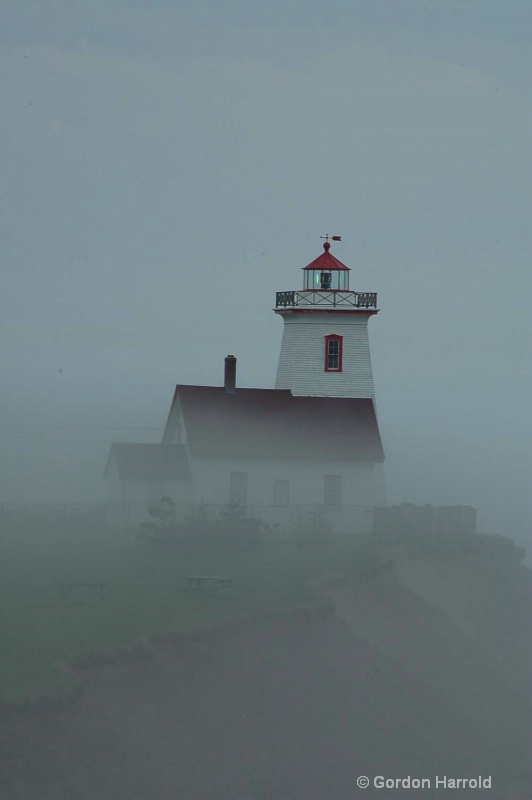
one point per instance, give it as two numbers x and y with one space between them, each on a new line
326 279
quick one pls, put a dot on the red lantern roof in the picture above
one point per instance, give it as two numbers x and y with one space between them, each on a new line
326 261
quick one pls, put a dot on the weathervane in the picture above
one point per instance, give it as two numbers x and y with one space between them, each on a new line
334 238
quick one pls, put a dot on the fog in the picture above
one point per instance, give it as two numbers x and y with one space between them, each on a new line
169 168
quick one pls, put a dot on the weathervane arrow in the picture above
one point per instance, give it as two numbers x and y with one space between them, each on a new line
334 238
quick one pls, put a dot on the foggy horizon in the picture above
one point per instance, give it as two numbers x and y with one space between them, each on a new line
170 169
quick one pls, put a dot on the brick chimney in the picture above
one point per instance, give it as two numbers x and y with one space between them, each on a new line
230 374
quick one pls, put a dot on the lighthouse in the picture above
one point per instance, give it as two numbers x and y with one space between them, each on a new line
312 442
325 346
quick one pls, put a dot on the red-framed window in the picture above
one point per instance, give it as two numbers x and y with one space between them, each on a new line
333 352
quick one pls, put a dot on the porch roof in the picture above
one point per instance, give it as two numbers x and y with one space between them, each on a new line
148 463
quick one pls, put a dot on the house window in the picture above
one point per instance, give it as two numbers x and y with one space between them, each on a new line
238 488
332 491
281 493
333 353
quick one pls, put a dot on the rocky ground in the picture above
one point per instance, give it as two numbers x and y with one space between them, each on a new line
423 672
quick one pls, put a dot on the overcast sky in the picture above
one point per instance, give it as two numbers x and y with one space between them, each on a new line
168 165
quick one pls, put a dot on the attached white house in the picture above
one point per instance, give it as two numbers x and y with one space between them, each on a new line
313 441
266 449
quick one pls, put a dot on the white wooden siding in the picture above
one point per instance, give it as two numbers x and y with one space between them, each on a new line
360 489
302 357
360 482
212 480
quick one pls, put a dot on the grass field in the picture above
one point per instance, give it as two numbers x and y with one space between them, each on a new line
145 596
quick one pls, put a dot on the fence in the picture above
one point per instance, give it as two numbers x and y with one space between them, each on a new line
348 518
345 518
71 514
424 520
388 521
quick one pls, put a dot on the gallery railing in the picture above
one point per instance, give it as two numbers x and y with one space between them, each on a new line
326 297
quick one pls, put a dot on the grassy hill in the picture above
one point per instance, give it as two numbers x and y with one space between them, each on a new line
144 598
325 663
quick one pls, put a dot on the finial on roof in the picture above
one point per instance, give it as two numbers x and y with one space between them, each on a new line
326 246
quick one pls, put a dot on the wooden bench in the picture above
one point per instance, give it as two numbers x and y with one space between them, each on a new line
199 582
96 590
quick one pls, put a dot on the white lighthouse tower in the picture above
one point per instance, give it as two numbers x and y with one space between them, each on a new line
325 346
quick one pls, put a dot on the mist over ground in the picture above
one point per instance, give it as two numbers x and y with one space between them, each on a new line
419 667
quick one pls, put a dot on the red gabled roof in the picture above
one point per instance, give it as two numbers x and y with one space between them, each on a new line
326 261
273 423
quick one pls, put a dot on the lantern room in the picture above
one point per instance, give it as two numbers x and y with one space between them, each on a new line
326 273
